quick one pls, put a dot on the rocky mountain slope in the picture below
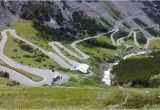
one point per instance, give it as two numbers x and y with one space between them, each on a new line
125 14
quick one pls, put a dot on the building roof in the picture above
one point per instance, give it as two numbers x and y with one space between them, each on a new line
83 67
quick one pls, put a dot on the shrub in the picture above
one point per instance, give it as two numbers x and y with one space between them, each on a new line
4 74
26 47
141 39
120 33
95 43
38 59
15 50
15 83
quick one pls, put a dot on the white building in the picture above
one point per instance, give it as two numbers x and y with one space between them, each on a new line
83 68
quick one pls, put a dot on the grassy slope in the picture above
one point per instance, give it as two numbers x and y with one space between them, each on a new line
130 42
27 74
25 30
86 97
5 81
154 43
19 55
68 55
49 97
99 52
102 39
141 68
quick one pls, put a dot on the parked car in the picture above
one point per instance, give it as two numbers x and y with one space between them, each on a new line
55 79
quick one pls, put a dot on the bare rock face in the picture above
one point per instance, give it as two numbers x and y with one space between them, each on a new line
14 6
111 11
108 13
6 18
152 9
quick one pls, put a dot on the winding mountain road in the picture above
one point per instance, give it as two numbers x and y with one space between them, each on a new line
135 40
47 75
83 57
77 66
52 55
15 76
56 49
56 55
112 37
121 40
73 45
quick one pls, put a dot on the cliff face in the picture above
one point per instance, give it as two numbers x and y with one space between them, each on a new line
6 18
152 9
107 13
